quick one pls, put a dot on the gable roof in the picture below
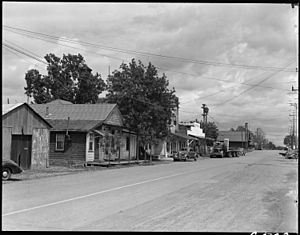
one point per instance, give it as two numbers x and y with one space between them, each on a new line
60 101
74 125
74 111
83 117
233 136
7 108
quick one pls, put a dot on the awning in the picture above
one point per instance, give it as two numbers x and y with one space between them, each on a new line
183 136
198 137
102 133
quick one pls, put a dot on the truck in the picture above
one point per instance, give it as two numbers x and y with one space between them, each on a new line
221 150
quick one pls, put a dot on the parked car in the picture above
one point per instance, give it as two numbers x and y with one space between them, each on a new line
184 155
9 167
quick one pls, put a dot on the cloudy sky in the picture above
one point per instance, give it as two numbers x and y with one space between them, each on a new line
238 59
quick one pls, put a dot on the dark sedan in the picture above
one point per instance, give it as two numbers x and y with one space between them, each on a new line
184 155
9 167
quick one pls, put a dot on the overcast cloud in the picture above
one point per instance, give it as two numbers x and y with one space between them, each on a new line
244 34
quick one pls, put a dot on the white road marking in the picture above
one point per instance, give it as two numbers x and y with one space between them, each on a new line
89 195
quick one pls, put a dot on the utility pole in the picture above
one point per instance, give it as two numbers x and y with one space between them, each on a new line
205 112
293 130
246 135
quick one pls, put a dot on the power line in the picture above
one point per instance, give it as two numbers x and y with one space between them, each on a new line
18 55
126 51
57 41
113 57
270 76
23 52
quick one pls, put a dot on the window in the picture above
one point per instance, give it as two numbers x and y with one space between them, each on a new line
91 142
60 142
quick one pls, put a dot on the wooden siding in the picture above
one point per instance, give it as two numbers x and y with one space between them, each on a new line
74 150
22 120
124 154
40 148
6 142
114 118
133 144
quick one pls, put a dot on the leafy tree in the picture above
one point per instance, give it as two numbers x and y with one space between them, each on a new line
270 146
240 128
143 98
210 129
289 140
68 78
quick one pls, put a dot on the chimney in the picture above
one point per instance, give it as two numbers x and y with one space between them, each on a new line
47 111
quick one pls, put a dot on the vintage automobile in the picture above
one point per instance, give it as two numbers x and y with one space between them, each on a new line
184 155
9 167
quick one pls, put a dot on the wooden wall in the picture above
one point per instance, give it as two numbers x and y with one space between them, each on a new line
74 150
40 148
6 142
114 118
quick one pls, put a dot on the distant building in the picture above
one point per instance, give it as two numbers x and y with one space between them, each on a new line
237 139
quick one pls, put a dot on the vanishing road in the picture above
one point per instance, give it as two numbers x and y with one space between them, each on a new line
256 192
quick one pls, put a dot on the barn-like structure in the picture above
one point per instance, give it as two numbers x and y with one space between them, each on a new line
25 136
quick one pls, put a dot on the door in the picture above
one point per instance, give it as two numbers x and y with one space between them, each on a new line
21 150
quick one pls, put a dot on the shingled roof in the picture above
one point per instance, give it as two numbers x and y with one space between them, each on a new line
233 136
83 117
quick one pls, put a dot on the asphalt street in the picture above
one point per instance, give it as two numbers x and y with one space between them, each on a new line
256 192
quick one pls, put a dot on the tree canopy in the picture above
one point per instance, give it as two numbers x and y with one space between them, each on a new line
290 140
143 98
69 78
210 130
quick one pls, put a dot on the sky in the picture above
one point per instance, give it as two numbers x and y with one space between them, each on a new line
238 59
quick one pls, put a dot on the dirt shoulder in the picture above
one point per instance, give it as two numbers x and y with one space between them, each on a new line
61 170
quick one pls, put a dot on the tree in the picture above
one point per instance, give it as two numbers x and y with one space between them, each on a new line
68 78
240 128
270 146
143 98
289 140
210 129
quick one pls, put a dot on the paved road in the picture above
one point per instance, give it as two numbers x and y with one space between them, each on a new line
252 193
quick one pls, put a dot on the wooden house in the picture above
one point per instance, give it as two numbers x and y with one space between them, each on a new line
25 136
86 132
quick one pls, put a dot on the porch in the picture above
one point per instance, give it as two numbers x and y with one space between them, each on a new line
115 163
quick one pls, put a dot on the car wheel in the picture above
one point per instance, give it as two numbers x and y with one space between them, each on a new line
6 173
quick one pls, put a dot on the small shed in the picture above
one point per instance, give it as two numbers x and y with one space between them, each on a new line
25 136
